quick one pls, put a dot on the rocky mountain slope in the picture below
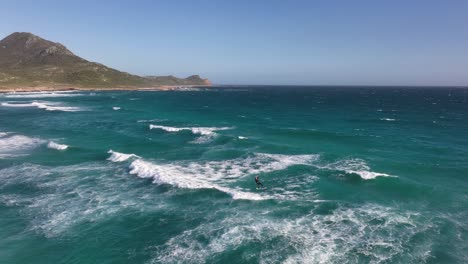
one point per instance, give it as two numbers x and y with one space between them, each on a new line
28 60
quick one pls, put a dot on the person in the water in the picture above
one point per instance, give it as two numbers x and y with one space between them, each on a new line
257 181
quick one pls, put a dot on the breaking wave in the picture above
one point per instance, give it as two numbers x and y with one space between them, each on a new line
355 166
43 94
151 120
221 175
388 119
217 174
53 145
120 157
207 133
49 106
172 175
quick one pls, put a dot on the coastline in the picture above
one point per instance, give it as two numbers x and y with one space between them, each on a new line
67 88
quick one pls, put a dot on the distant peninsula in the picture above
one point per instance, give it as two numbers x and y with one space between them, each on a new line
31 63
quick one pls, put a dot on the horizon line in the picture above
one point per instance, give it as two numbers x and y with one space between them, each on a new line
344 85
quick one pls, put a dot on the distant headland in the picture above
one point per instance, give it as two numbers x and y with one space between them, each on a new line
31 63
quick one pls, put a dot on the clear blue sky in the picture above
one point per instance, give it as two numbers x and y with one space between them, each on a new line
261 42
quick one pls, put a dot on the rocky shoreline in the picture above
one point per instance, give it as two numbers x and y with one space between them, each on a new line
62 89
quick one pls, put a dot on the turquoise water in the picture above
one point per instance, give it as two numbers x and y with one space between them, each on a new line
352 175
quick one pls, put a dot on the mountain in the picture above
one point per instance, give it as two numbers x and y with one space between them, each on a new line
29 60
171 80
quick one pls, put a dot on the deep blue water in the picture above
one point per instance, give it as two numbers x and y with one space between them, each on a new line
352 175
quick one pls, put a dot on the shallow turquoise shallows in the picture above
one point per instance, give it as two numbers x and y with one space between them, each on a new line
351 175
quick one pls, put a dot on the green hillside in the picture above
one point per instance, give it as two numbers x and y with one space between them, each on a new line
27 60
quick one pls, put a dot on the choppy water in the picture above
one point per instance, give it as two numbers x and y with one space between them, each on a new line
353 175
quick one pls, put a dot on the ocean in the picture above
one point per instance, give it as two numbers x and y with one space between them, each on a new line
351 175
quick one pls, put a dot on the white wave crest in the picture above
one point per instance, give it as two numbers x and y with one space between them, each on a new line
151 120
356 166
168 129
173 175
207 133
49 106
216 174
195 130
57 146
120 157
241 137
43 94
116 108
53 145
388 119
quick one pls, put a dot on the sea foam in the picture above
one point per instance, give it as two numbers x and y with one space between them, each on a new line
49 106
57 146
167 174
72 194
207 133
355 166
13 145
335 237
388 119
120 157
217 174
43 94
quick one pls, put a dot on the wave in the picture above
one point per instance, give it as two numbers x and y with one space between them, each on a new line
72 195
355 166
116 108
367 175
49 106
388 119
168 129
12 145
43 94
167 174
241 137
120 157
359 167
220 175
151 120
195 130
207 133
53 145
216 174
380 234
